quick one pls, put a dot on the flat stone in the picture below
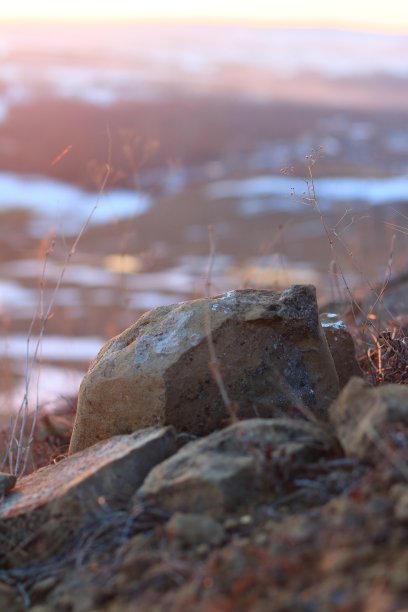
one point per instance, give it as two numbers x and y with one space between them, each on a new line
371 422
253 460
341 346
46 506
273 358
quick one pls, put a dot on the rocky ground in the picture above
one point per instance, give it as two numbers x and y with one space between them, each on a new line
279 513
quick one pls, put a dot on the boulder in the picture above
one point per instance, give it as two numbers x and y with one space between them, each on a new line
255 460
45 507
341 346
371 422
273 358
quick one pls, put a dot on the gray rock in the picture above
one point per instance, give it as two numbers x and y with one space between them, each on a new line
253 460
48 504
272 352
341 346
370 421
190 530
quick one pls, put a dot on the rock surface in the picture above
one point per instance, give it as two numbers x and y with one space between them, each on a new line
7 482
253 459
273 357
47 505
313 530
371 423
341 346
190 530
267 513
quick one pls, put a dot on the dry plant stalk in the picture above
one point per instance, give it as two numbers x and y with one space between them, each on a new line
389 359
214 364
333 236
370 320
18 450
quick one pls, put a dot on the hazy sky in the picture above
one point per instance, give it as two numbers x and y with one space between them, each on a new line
376 14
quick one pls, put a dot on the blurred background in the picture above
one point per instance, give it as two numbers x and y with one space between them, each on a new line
137 129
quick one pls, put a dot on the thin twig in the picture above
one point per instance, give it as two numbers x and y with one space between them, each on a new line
214 364
18 468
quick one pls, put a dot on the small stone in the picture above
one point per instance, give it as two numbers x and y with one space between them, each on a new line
44 586
133 546
202 550
231 523
137 562
369 421
261 539
191 530
246 519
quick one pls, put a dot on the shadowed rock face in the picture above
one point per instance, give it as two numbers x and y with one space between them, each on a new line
273 358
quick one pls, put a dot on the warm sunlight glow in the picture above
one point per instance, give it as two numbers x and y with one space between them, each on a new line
351 13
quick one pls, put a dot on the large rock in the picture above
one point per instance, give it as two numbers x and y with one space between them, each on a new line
371 422
255 460
272 352
43 509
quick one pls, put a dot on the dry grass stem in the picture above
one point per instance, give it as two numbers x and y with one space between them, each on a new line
214 364
19 444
